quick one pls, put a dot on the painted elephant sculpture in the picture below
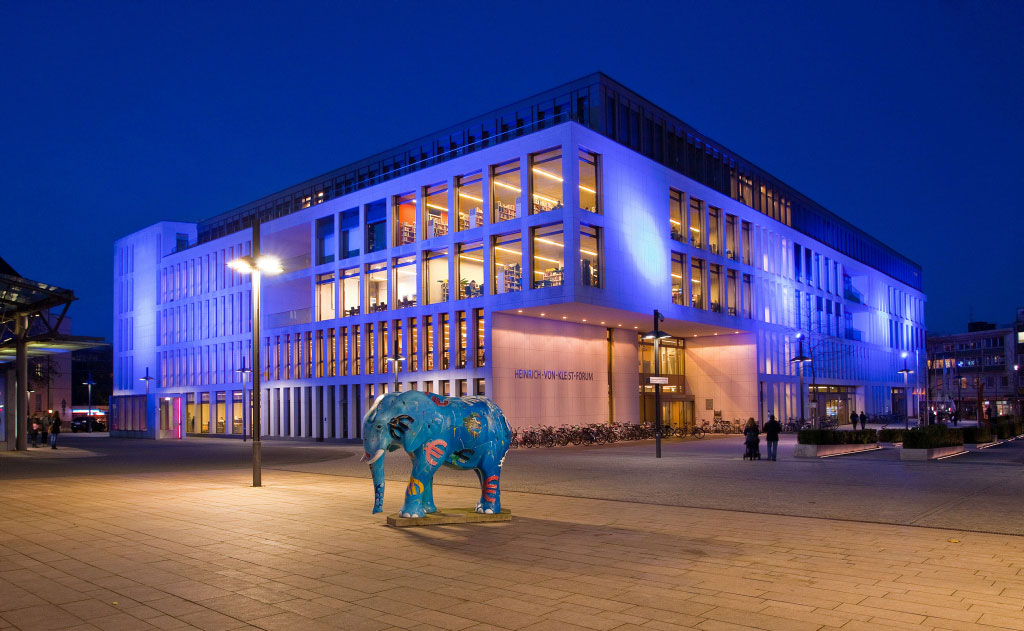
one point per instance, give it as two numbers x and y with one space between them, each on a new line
458 432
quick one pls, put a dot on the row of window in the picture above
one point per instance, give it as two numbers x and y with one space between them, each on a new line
701 285
458 205
202 274
694 222
430 277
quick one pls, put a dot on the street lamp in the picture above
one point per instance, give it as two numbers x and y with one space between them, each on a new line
394 360
256 265
1016 389
959 391
906 371
800 360
88 421
657 335
243 371
147 379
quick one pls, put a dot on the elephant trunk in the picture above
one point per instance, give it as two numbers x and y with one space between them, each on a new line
377 470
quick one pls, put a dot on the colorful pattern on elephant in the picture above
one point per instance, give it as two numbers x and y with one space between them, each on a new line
472 424
434 451
491 488
415 487
438 400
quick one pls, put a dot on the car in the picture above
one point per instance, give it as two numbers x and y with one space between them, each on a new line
88 424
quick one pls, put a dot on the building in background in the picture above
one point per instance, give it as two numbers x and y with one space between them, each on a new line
982 364
520 256
97 364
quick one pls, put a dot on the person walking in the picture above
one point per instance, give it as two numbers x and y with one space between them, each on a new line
55 423
751 440
853 419
35 431
771 436
863 420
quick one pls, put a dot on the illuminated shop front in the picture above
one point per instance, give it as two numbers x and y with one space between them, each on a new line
520 259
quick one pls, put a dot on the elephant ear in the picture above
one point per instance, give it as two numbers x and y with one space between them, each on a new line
428 423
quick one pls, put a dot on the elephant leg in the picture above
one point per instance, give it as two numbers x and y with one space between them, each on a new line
489 473
419 495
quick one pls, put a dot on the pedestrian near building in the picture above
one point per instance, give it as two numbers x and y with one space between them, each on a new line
863 420
751 440
55 424
771 436
853 419
34 434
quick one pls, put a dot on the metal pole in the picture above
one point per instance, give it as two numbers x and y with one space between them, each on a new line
657 390
394 354
257 445
21 369
906 395
801 366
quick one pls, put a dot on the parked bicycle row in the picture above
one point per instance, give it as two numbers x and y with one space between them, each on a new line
599 434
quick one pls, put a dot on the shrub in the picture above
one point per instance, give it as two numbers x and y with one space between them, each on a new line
836 437
975 435
1006 429
932 437
890 436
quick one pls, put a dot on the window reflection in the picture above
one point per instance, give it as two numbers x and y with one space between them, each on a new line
715 287
696 223
714 230
349 286
697 283
548 256
471 269
506 191
435 212
678 278
405 218
590 256
376 226
546 180
469 199
507 255
588 181
676 217
325 296
404 281
376 287
435 276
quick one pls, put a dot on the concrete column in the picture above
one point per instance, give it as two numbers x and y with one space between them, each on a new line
317 411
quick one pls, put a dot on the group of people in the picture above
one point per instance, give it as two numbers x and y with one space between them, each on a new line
752 439
45 427
862 418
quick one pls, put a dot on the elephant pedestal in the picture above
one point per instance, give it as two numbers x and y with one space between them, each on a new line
445 516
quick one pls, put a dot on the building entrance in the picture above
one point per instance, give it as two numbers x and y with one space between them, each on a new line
832 402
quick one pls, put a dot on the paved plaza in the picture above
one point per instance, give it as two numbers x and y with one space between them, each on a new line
106 534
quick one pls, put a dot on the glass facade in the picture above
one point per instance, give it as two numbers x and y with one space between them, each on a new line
507 255
546 180
548 256
325 297
679 278
469 200
506 191
376 226
404 209
590 256
589 184
435 213
404 281
376 287
471 269
435 276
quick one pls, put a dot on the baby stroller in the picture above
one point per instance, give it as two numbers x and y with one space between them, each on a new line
753 451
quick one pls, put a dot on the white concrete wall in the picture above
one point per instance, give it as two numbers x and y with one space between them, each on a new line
723 369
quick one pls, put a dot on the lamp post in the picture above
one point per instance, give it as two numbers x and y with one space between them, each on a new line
89 383
800 360
242 372
256 265
657 335
959 391
906 371
394 359
147 379
1016 390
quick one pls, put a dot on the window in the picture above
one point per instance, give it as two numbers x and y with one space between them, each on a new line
481 355
469 200
435 276
460 320
404 209
731 295
376 287
357 351
325 297
376 226
329 353
507 255
548 261
678 278
446 340
506 191
546 180
590 259
748 254
371 349
460 387
349 286
715 287
748 296
325 245
414 347
696 283
696 222
446 388
715 230
435 212
404 281
480 387
350 233
428 338
589 197
470 269
675 214
730 237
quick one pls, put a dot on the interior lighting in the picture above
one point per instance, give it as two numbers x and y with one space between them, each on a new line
436 207
543 314
677 275
564 317
602 321
675 223
468 196
584 319
519 311
508 186
507 250
466 256
546 174
548 260
694 229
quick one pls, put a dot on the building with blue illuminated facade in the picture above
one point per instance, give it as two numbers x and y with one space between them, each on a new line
519 255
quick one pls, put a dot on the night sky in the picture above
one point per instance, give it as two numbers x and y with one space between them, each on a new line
904 117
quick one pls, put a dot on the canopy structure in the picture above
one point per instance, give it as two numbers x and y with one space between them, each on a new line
30 317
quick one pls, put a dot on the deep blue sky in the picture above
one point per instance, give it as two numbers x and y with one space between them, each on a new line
904 118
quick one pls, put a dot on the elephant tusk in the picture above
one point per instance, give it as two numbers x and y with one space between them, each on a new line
376 456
